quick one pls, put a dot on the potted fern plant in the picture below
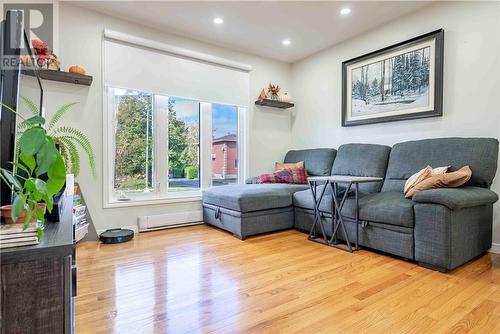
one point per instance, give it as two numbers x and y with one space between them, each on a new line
66 138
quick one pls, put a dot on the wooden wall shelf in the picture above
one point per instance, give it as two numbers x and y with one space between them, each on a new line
274 104
61 76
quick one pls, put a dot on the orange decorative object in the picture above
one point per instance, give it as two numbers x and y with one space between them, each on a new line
77 69
262 95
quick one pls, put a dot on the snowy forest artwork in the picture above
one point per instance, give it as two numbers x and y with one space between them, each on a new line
400 82
390 84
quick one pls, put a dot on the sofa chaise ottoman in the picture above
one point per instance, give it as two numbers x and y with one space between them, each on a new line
251 209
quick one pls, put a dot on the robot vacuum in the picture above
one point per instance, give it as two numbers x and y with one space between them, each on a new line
116 236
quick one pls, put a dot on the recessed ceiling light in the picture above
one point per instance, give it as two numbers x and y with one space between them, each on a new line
286 42
345 11
218 20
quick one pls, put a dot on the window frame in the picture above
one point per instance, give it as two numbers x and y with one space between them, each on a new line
161 194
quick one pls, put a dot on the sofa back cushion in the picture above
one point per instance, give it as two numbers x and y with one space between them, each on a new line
409 157
318 161
362 160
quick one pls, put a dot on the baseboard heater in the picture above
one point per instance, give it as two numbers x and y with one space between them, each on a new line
170 220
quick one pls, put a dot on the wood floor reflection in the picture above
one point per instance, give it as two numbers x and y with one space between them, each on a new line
200 279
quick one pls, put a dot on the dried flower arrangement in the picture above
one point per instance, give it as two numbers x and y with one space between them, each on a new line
273 90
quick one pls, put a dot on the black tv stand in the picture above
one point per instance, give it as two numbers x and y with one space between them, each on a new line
38 283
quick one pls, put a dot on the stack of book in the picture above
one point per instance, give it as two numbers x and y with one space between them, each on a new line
79 218
13 235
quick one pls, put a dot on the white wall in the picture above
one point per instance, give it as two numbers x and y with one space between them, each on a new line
471 82
80 39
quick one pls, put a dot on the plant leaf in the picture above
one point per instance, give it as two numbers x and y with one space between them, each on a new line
45 157
57 177
70 154
17 206
27 216
39 232
41 186
40 214
31 106
29 185
11 178
59 114
20 166
35 120
28 160
32 140
49 201
79 138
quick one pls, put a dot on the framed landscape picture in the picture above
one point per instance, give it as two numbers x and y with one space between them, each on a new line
400 82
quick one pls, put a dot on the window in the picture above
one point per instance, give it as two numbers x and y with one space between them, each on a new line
164 135
134 157
183 144
158 145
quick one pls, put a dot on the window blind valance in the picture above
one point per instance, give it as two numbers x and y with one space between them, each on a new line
144 65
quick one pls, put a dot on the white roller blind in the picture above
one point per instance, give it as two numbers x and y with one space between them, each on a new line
152 67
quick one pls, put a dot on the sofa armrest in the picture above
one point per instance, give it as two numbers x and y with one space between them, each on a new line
251 180
457 198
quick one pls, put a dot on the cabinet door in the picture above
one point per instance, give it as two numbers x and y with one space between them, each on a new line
33 296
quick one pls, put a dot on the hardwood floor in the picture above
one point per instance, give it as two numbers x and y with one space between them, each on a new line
200 279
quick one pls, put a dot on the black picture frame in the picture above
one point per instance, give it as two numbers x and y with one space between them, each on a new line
437 60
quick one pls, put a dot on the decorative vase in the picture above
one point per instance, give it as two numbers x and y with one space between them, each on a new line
274 96
284 98
7 211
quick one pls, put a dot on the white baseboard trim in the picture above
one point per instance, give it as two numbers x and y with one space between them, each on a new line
151 229
146 223
136 229
495 248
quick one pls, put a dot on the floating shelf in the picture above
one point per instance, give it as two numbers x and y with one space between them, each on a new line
274 104
61 76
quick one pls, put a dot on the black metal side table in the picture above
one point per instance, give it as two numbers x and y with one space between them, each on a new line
338 203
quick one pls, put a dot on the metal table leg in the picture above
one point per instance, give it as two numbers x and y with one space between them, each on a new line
317 213
339 219
357 217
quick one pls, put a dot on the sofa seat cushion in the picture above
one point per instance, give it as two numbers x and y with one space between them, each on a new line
385 207
251 197
304 199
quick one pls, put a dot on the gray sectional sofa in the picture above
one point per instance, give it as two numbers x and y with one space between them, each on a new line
440 228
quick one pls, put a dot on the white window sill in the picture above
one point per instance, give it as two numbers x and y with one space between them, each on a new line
153 200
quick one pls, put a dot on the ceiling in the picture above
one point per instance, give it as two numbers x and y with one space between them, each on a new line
260 27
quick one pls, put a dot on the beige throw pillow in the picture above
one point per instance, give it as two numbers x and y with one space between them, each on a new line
280 165
448 180
417 177
440 170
